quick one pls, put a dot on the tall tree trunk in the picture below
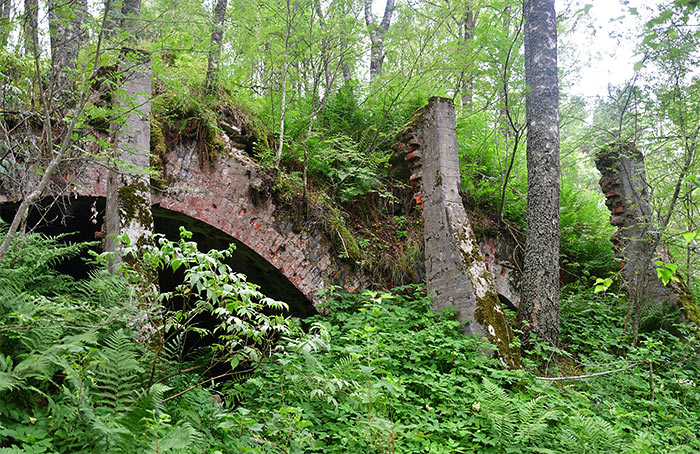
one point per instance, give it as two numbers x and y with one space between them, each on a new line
217 34
467 25
131 13
290 14
376 36
539 308
65 28
5 8
30 26
111 11
347 73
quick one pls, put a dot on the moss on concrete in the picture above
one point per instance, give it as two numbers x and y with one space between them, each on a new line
133 206
691 308
490 315
467 236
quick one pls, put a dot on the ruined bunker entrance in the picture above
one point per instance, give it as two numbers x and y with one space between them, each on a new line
83 218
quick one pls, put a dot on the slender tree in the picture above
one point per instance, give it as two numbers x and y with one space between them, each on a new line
290 15
65 29
467 24
5 9
30 26
377 33
539 308
217 34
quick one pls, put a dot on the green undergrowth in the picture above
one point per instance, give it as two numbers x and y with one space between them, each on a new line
183 112
363 231
378 373
400 378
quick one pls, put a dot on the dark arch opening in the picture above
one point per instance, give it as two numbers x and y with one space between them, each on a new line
244 260
83 217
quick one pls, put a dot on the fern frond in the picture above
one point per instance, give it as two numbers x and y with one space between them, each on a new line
590 434
177 439
102 289
30 267
117 374
9 382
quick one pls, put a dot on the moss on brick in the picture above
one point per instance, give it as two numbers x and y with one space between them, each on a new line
344 240
214 144
158 154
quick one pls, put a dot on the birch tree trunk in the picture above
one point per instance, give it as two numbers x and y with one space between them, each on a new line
539 308
290 14
376 36
65 29
217 34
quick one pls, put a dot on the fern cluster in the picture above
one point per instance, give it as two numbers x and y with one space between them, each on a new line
70 375
76 374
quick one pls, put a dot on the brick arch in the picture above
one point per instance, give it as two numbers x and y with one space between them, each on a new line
257 269
221 196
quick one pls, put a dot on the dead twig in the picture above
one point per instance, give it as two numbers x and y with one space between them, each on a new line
597 374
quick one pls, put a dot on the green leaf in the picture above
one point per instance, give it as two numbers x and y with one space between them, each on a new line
689 237
664 274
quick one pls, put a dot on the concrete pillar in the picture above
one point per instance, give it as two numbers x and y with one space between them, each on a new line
636 240
456 274
128 205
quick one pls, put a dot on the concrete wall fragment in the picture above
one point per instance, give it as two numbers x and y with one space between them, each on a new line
456 273
128 207
637 240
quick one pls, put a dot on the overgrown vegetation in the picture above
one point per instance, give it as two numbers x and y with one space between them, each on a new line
380 373
110 364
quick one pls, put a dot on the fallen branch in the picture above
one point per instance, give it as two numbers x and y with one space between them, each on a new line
597 374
